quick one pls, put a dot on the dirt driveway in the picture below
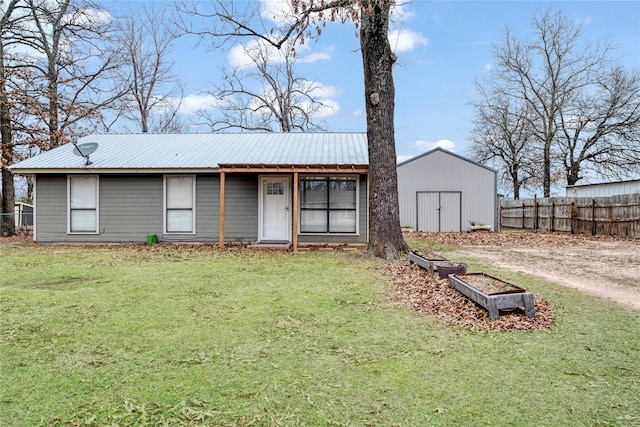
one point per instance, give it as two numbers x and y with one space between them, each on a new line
600 265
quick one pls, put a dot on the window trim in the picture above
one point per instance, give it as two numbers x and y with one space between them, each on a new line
164 204
97 209
328 209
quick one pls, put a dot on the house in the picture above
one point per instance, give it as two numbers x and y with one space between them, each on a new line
268 188
23 214
604 189
442 191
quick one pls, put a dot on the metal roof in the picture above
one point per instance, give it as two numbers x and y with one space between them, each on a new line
119 152
442 150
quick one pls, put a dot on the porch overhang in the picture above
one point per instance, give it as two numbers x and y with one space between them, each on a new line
294 169
291 168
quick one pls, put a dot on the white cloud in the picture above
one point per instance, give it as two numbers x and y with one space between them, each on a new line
424 146
400 13
87 17
240 56
321 91
329 108
277 11
400 159
357 113
405 40
584 21
324 105
487 68
443 143
325 94
193 103
314 56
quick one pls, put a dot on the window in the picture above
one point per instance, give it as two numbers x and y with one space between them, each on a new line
83 204
275 188
328 204
179 204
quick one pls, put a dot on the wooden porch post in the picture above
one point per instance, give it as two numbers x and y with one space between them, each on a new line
222 179
295 212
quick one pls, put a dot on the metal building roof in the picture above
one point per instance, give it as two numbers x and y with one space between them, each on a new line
119 152
442 150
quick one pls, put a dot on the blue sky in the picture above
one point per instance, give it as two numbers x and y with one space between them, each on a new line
443 47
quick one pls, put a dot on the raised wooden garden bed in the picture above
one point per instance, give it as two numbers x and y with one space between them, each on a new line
451 267
493 294
481 227
422 261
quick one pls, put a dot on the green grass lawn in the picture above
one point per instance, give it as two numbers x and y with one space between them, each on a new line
180 335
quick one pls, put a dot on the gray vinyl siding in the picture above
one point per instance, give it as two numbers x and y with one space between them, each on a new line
345 238
207 212
441 172
240 208
51 209
131 207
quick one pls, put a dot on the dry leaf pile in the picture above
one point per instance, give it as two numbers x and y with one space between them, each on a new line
21 236
532 240
433 296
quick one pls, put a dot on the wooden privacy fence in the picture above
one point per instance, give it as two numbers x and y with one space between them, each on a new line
614 216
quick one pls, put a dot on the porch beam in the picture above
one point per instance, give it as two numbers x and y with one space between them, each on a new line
222 184
320 169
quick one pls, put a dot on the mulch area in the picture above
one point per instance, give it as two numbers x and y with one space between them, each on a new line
432 296
21 236
516 239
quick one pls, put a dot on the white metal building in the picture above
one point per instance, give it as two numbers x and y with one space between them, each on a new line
443 191
606 189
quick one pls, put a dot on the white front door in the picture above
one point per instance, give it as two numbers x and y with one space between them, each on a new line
275 212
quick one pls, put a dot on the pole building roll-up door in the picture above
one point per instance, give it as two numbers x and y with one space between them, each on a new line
439 211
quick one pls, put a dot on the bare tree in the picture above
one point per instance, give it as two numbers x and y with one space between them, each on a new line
70 63
548 73
306 20
502 136
7 221
266 95
600 130
15 22
153 91
54 57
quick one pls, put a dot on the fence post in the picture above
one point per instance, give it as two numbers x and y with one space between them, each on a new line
499 214
610 211
535 212
573 217
593 217
552 225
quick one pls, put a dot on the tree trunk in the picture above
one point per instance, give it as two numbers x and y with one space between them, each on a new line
52 95
516 185
546 179
7 220
144 121
385 235
573 174
8 204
